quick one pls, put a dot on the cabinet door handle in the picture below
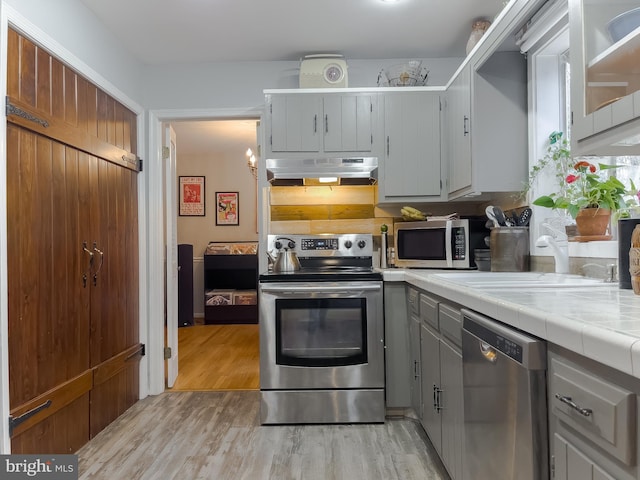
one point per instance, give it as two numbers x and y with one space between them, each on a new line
416 375
326 123
315 123
435 397
89 266
387 145
465 125
99 252
586 412
438 400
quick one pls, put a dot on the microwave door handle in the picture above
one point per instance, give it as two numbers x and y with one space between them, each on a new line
447 243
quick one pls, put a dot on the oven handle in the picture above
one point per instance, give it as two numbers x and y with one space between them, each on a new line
320 289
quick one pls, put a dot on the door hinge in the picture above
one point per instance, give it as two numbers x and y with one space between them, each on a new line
11 109
167 353
165 153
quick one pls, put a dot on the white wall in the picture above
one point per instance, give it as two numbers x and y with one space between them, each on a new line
223 173
235 85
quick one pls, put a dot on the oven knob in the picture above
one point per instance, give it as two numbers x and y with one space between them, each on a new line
347 244
361 243
278 245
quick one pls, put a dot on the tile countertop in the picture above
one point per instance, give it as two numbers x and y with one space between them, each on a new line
601 323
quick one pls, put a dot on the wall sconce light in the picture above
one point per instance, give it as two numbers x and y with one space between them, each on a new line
252 163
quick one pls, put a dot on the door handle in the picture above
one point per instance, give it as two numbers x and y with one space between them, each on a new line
99 252
88 270
488 352
586 412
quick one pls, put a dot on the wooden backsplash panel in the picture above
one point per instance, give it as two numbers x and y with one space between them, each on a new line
299 212
338 195
321 212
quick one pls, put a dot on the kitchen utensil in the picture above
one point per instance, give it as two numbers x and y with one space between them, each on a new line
491 216
513 217
499 215
525 217
286 259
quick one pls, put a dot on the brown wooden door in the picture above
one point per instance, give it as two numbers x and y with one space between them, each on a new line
72 253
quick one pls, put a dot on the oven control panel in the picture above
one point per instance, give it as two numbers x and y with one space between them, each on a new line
330 243
341 245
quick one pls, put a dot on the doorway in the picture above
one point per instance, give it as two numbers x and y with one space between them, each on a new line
212 356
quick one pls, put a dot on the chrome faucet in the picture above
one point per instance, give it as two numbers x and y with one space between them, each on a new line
559 244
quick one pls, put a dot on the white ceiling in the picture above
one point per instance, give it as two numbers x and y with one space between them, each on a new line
185 31
195 31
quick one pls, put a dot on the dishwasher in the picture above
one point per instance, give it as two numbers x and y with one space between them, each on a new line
505 408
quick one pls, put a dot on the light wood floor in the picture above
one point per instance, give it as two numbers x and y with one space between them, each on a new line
217 436
218 357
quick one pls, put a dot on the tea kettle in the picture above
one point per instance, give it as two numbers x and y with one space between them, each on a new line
286 260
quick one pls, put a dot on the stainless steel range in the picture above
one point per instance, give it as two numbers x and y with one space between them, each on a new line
321 334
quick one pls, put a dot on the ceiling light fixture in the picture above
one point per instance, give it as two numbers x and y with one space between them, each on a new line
252 163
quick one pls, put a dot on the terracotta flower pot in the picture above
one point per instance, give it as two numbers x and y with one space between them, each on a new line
593 221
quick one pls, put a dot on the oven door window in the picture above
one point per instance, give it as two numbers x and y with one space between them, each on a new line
321 332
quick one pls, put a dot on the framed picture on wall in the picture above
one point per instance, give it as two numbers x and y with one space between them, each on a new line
191 196
227 208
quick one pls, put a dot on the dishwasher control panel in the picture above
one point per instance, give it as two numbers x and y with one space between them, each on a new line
508 347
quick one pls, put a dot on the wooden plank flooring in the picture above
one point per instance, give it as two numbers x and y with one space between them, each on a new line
217 435
218 357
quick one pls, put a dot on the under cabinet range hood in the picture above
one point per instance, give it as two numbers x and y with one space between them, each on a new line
348 171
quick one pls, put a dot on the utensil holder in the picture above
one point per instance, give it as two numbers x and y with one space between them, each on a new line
510 249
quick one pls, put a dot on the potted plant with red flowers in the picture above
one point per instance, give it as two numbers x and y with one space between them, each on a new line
590 197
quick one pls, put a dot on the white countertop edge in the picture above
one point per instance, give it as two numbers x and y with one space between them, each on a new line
598 342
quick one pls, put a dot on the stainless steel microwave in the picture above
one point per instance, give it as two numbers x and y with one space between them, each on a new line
438 243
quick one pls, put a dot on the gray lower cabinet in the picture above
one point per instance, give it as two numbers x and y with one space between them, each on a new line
593 419
397 355
415 381
440 370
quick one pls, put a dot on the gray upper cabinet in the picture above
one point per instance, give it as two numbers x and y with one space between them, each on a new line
339 124
487 127
295 122
411 166
459 131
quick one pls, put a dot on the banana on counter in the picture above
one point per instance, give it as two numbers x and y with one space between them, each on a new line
410 213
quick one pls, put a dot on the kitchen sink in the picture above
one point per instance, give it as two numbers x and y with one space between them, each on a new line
520 279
